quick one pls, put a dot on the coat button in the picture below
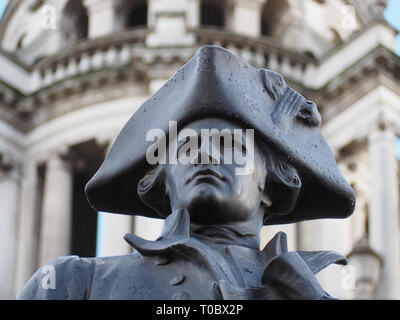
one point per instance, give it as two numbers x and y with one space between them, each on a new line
162 260
181 295
177 280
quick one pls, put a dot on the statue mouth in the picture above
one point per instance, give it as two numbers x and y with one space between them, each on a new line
206 174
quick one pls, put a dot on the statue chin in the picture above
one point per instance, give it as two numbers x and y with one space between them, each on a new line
207 208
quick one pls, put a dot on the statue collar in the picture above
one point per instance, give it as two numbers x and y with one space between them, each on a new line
177 230
175 241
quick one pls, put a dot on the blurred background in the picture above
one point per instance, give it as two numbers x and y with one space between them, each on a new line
72 72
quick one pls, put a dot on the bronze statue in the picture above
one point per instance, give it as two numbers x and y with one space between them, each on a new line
213 204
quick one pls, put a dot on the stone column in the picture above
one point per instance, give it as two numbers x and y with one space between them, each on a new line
147 228
9 189
384 208
28 238
268 232
56 213
101 17
310 235
328 234
193 13
246 17
110 232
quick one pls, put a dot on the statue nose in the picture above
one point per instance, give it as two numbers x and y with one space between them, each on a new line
205 156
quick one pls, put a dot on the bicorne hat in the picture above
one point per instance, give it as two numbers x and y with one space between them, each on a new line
217 83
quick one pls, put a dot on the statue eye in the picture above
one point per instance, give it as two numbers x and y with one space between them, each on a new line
308 114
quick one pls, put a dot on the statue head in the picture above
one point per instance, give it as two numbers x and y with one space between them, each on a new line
295 174
223 176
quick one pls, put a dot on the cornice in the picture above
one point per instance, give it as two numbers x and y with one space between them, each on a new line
380 66
143 64
357 34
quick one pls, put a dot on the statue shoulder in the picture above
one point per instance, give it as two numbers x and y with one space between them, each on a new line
76 278
61 278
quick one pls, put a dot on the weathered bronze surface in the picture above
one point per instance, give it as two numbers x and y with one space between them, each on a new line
209 246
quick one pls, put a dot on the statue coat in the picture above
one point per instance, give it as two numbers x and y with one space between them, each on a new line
179 266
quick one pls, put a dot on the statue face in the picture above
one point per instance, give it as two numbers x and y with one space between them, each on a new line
214 193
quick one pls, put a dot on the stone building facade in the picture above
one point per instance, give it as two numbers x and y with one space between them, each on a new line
73 71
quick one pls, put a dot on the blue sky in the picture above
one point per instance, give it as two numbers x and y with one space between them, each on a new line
392 15
3 4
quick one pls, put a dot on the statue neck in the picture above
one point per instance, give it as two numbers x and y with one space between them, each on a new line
232 234
246 234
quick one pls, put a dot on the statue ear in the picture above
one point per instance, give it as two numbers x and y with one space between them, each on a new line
265 200
281 190
151 190
265 197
